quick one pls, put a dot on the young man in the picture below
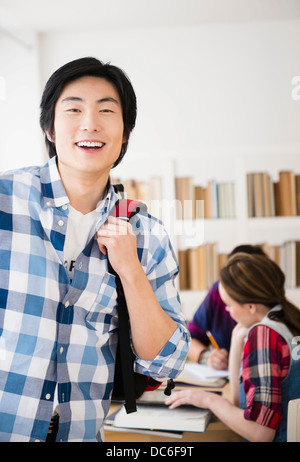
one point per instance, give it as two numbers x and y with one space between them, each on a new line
58 318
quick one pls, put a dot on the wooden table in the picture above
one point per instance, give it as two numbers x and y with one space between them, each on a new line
216 431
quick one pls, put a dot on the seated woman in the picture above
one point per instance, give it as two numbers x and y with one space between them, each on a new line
265 338
213 316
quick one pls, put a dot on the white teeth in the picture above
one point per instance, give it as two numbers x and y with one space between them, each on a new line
90 144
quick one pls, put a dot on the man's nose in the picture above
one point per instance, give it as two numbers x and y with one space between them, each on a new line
90 121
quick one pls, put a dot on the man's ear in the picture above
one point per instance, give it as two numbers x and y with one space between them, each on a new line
50 138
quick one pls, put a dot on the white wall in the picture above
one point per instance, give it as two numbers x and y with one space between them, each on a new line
200 89
21 143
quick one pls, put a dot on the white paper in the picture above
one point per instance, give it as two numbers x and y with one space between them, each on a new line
194 371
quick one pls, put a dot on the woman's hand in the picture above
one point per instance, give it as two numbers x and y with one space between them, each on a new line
218 359
194 396
231 415
239 333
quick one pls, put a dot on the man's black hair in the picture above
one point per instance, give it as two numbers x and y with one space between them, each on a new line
91 67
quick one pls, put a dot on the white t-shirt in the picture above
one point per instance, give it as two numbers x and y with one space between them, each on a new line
80 230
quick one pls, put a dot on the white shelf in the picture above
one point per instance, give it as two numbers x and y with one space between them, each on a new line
274 230
190 301
231 232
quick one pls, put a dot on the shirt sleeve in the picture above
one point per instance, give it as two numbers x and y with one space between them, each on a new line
160 264
265 364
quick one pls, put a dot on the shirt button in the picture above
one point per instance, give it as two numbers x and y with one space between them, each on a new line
61 223
61 350
67 304
64 207
48 203
48 396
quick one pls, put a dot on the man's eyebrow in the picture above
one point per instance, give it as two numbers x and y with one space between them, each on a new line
106 99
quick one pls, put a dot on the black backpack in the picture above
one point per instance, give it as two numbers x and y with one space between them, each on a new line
128 385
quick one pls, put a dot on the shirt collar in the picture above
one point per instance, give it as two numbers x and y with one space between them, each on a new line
54 193
53 190
106 205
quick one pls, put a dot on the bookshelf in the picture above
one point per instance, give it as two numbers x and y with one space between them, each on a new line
223 167
159 170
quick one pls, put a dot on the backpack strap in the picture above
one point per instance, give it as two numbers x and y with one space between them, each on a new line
125 209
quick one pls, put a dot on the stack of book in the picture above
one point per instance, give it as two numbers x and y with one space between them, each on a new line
152 413
267 198
160 417
219 199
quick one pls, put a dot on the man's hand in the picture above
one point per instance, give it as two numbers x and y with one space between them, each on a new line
117 239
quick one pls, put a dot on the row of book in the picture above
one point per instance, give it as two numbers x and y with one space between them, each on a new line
268 198
146 191
215 200
287 256
289 261
200 266
142 190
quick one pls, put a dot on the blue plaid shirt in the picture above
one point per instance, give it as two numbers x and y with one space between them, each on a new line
54 333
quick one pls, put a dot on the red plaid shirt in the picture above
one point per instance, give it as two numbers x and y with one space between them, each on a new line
266 363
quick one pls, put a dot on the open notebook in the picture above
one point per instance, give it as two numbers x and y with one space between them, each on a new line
198 374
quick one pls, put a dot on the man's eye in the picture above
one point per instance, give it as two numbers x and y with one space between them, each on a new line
105 110
73 109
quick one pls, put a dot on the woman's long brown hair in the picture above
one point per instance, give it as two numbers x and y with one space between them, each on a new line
258 279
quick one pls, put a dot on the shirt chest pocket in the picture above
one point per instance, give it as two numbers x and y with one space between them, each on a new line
103 314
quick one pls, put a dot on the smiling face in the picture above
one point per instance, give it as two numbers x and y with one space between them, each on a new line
88 128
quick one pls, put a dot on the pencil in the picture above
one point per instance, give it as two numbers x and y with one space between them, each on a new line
212 340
